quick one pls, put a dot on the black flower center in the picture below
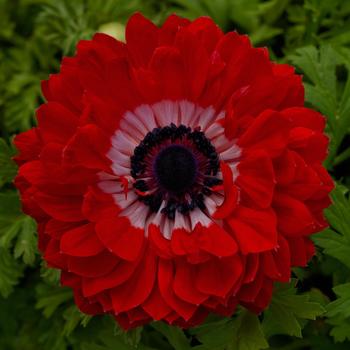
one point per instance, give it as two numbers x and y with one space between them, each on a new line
175 168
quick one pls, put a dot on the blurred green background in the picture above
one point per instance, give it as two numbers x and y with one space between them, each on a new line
312 312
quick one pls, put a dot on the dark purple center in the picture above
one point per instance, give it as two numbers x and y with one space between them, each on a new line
175 169
177 166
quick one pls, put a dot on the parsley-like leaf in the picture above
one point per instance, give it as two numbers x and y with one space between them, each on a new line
287 311
335 241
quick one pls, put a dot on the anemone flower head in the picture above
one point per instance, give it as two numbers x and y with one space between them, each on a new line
174 175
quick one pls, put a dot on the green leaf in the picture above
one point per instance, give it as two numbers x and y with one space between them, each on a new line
10 207
287 311
73 318
7 166
244 332
50 275
22 235
326 91
175 335
341 306
335 241
64 22
26 243
215 335
131 337
10 272
338 313
51 298
340 329
107 341
253 16
248 334
317 21
17 231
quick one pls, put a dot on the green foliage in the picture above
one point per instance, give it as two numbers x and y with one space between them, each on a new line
7 166
175 336
336 243
63 23
328 90
336 240
317 21
17 241
73 318
247 333
50 298
10 272
35 313
289 23
253 16
288 311
17 231
243 332
338 313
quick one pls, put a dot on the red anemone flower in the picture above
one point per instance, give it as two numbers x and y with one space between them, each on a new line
175 175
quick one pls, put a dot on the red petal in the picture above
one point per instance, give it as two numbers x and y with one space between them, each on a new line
189 244
285 167
85 305
248 292
28 144
256 179
109 42
265 295
274 92
170 28
155 305
93 266
269 266
47 178
56 228
141 39
56 122
69 279
97 205
64 87
137 289
53 256
305 117
206 32
121 238
169 72
159 243
231 194
120 70
63 208
263 298
81 241
215 240
293 217
218 276
105 301
195 60
251 267
88 148
254 230
268 132
282 259
183 284
311 145
165 280
121 273
243 65
301 250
